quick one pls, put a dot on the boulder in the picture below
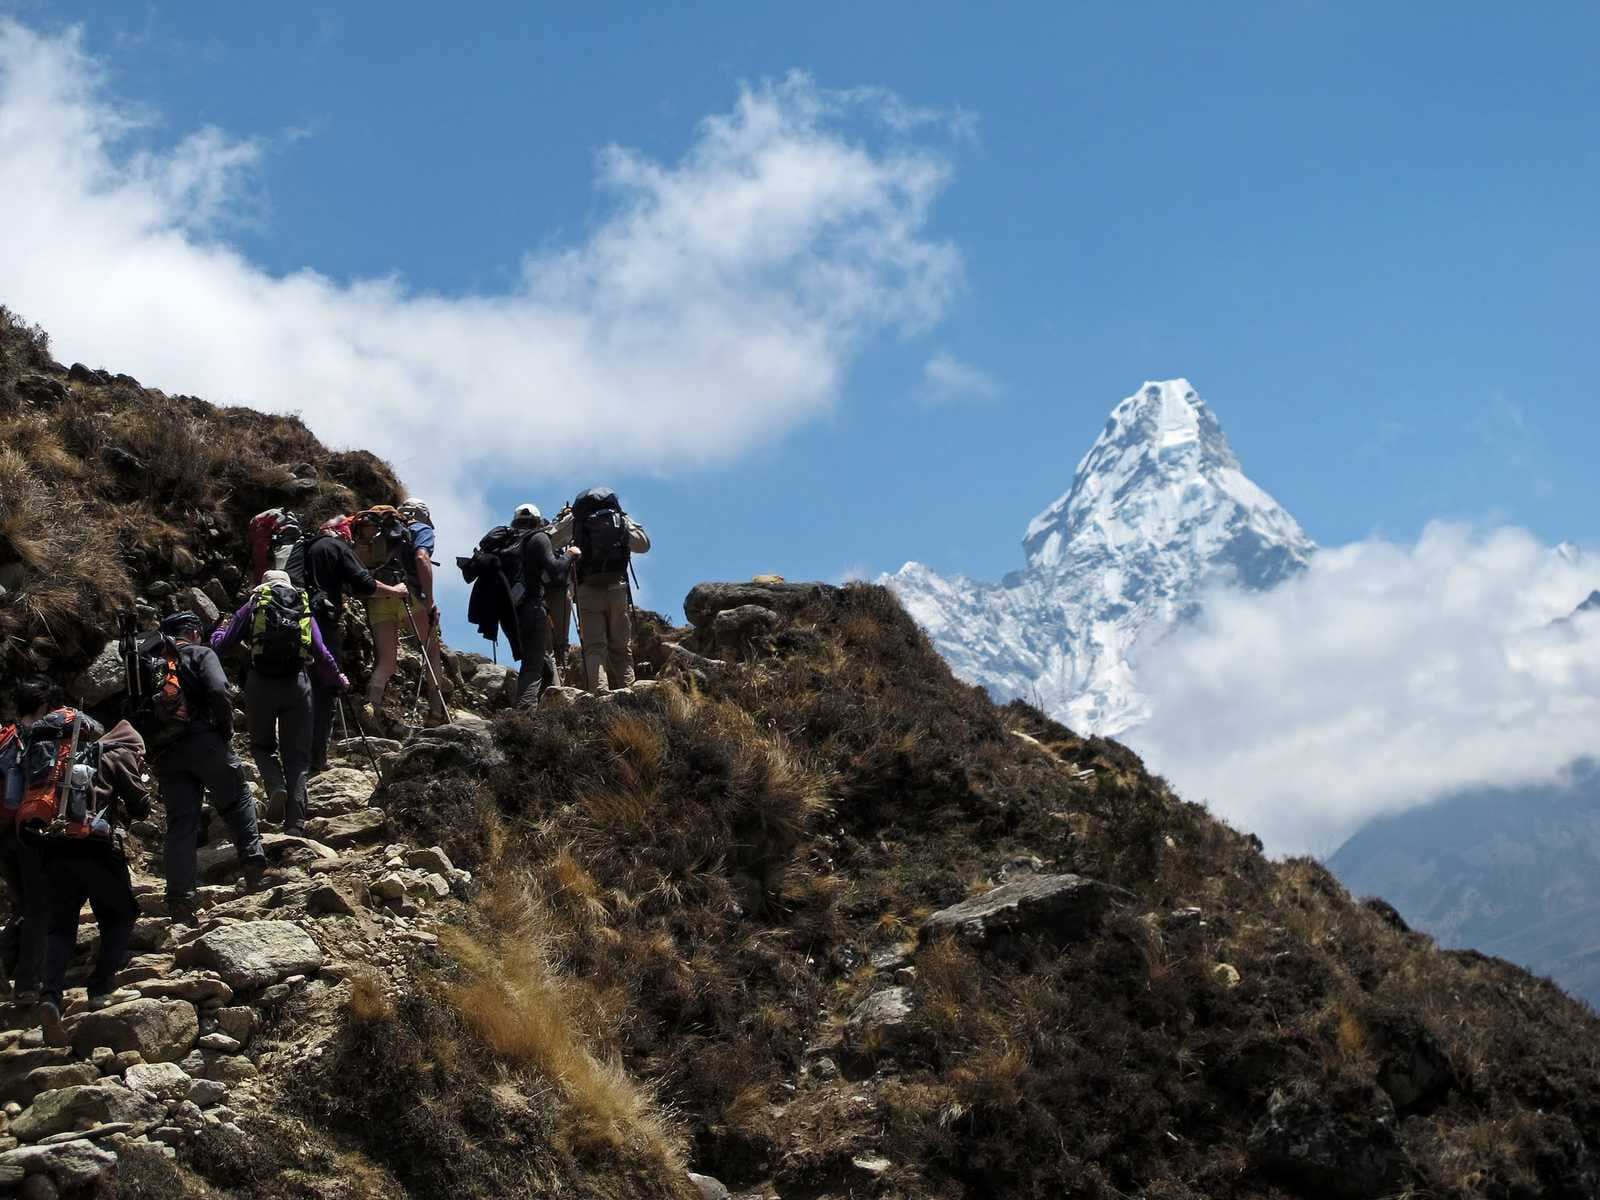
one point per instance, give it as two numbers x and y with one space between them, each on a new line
254 954
709 1188
431 859
198 990
1058 905
60 1075
41 390
238 1022
197 602
231 1069
491 679
880 1022
736 630
219 595
17 1064
326 898
161 1030
364 825
1338 1145
340 789
162 1081
559 697
102 679
74 1164
467 743
81 1107
706 600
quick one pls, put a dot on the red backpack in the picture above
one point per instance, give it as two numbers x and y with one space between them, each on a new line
273 535
46 767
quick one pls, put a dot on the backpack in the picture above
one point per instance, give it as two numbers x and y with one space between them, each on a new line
400 547
160 711
280 630
273 536
600 530
46 767
10 774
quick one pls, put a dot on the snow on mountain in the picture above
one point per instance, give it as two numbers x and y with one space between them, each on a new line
1159 508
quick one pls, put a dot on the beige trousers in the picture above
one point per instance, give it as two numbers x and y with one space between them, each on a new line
605 614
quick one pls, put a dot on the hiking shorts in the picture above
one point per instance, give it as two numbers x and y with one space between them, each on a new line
386 610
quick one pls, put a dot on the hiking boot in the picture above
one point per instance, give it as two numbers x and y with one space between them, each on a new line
294 831
276 803
48 1014
183 910
105 999
255 868
26 997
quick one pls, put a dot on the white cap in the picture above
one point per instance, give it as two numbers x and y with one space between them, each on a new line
277 578
416 509
526 514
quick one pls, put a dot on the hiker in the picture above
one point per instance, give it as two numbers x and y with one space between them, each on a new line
386 544
558 597
41 733
326 565
543 571
285 641
85 858
606 539
272 537
194 759
10 868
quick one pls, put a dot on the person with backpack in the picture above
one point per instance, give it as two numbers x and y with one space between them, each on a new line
40 761
424 615
85 858
325 564
285 642
540 571
188 726
273 536
606 539
386 544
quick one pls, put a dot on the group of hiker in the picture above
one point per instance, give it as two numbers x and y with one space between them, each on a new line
70 787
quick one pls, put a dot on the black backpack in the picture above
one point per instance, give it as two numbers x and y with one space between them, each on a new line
280 630
400 563
159 688
600 531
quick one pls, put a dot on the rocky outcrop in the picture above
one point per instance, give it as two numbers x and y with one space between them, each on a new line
706 600
1058 905
1329 1145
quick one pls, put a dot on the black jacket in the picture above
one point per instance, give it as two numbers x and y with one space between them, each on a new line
541 567
205 687
332 571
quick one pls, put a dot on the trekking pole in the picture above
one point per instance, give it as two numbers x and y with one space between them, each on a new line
427 661
366 745
344 726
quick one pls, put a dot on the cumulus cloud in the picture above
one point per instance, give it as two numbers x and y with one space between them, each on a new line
718 303
948 380
1383 677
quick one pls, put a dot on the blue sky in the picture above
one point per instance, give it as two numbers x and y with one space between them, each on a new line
1365 232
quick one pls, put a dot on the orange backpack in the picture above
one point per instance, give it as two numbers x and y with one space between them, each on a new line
46 767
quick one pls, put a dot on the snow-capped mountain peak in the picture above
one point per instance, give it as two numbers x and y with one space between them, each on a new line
1159 506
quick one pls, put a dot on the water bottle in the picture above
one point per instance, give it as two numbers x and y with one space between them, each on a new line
78 793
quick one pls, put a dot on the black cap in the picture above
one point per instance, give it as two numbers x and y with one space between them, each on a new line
181 622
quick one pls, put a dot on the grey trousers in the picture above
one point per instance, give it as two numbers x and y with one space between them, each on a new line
279 712
605 612
198 764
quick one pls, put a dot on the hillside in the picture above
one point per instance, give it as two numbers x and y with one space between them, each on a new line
800 911
1509 871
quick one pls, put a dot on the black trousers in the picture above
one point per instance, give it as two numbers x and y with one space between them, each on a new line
537 670
99 876
22 940
199 764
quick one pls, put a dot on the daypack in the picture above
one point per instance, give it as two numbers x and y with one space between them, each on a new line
161 711
398 544
600 530
280 630
10 774
47 759
273 536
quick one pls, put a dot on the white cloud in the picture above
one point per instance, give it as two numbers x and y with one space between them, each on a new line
718 304
1384 677
947 380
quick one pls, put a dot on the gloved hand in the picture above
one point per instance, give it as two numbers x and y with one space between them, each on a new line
344 685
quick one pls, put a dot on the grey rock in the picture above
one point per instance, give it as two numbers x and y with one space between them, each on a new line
199 990
432 859
254 954
102 679
197 602
18 1063
387 887
737 629
1059 905
710 1188
706 600
879 1022
340 789
220 859
161 1030
206 1092
1339 1146
365 825
326 898
162 1081
218 595
559 697
80 1107
219 1043
38 1187
48 1079
238 1023
68 1164
231 1069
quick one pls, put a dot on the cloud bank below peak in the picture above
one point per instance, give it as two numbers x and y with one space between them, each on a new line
1383 677
718 304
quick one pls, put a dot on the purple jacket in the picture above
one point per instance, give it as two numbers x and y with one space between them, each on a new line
237 632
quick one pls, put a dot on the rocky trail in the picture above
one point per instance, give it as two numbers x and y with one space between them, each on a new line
210 1011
